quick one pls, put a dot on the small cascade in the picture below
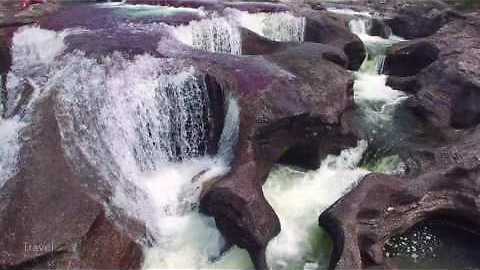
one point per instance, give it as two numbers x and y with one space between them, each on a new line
299 198
359 26
222 34
281 26
212 35
33 53
380 63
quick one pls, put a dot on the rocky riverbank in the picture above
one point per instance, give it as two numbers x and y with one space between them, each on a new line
94 97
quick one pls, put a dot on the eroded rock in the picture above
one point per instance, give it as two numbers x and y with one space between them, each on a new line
383 206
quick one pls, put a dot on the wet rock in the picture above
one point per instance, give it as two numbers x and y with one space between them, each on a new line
406 84
416 19
284 98
50 216
327 28
449 92
382 206
408 58
378 28
254 44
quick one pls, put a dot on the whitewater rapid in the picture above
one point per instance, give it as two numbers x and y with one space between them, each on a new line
299 197
146 116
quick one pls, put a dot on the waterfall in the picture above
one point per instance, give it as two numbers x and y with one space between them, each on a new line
212 35
281 26
358 26
222 34
141 122
33 53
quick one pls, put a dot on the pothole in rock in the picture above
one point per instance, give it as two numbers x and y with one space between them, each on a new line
435 244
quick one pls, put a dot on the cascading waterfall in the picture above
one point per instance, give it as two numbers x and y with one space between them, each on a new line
222 34
142 123
281 26
377 101
212 35
299 197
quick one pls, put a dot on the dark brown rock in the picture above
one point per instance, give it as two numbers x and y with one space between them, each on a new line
410 57
378 28
406 84
449 92
416 19
254 44
330 29
382 206
284 98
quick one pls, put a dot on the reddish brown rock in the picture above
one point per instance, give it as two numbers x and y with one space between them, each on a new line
50 217
382 206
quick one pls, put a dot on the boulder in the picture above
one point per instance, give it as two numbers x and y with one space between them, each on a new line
331 29
383 206
410 57
406 84
416 19
450 90
50 216
443 69
254 44
284 98
379 28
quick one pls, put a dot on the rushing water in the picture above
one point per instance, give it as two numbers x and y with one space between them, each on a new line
141 122
212 35
222 34
281 26
299 197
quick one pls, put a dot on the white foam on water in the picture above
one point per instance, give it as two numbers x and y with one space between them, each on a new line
35 46
141 123
9 148
33 51
360 25
373 87
213 35
280 26
185 238
299 198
